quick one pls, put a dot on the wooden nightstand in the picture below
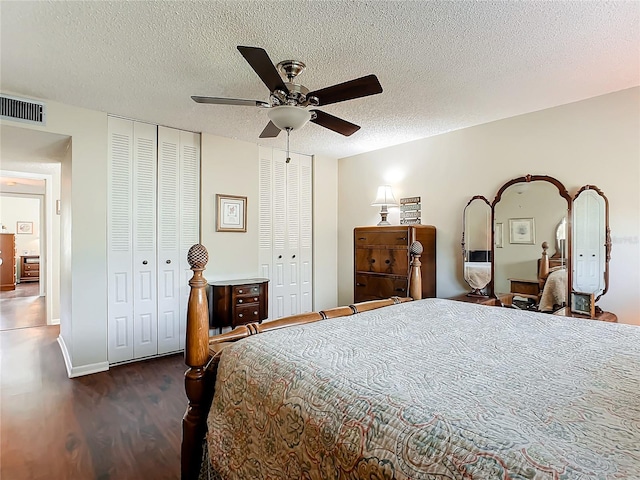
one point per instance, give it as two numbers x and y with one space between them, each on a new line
29 268
238 302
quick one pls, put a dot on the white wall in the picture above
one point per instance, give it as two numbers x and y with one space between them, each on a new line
22 208
595 141
231 167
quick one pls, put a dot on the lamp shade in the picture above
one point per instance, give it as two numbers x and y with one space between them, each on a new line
384 197
288 116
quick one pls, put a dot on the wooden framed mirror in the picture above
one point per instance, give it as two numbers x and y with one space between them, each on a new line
530 211
476 245
591 242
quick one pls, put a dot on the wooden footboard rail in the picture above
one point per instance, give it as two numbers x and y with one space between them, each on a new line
202 353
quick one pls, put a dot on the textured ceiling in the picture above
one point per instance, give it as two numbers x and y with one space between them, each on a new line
443 65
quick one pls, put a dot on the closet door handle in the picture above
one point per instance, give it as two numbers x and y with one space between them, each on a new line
279 256
293 256
144 262
168 262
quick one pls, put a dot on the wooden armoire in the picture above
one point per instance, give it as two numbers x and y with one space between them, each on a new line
381 260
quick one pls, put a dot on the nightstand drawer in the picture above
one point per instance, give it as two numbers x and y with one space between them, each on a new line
246 290
246 299
31 266
30 274
246 314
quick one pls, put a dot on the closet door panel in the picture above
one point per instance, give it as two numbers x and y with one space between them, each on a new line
144 240
120 331
189 218
168 240
265 230
306 234
280 252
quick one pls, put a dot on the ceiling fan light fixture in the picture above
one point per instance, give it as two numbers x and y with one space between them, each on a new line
289 117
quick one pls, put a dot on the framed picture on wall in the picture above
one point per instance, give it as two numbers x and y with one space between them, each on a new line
522 231
24 228
231 213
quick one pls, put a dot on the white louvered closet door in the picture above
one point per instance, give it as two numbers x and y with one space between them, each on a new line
119 223
189 217
285 231
145 323
306 233
168 240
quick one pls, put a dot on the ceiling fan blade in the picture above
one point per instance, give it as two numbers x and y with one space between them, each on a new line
270 131
360 87
229 101
334 123
263 66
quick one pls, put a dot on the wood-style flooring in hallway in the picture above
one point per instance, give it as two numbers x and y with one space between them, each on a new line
22 307
121 424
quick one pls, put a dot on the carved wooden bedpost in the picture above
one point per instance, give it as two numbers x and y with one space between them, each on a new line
196 356
543 271
415 276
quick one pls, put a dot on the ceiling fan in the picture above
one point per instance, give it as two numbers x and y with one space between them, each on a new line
288 101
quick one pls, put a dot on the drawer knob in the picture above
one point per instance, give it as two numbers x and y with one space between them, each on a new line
361 284
240 301
387 261
255 312
399 289
362 238
255 299
373 260
255 289
240 315
240 291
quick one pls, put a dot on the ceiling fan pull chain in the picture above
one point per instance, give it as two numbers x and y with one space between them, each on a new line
288 132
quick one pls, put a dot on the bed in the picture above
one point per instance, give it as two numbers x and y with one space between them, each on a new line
404 389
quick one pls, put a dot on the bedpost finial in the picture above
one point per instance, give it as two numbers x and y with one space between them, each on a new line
416 248
198 256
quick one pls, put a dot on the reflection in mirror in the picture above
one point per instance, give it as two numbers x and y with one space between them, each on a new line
590 241
476 245
532 213
561 242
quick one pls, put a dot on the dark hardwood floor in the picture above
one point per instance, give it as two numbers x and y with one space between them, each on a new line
22 307
120 424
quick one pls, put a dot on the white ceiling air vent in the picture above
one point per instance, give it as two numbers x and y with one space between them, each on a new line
23 110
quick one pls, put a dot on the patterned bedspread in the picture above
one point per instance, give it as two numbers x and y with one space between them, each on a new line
432 389
554 293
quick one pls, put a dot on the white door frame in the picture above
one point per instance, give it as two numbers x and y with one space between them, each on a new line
48 223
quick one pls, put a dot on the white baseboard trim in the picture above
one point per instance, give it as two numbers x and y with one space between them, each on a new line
55 321
72 371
